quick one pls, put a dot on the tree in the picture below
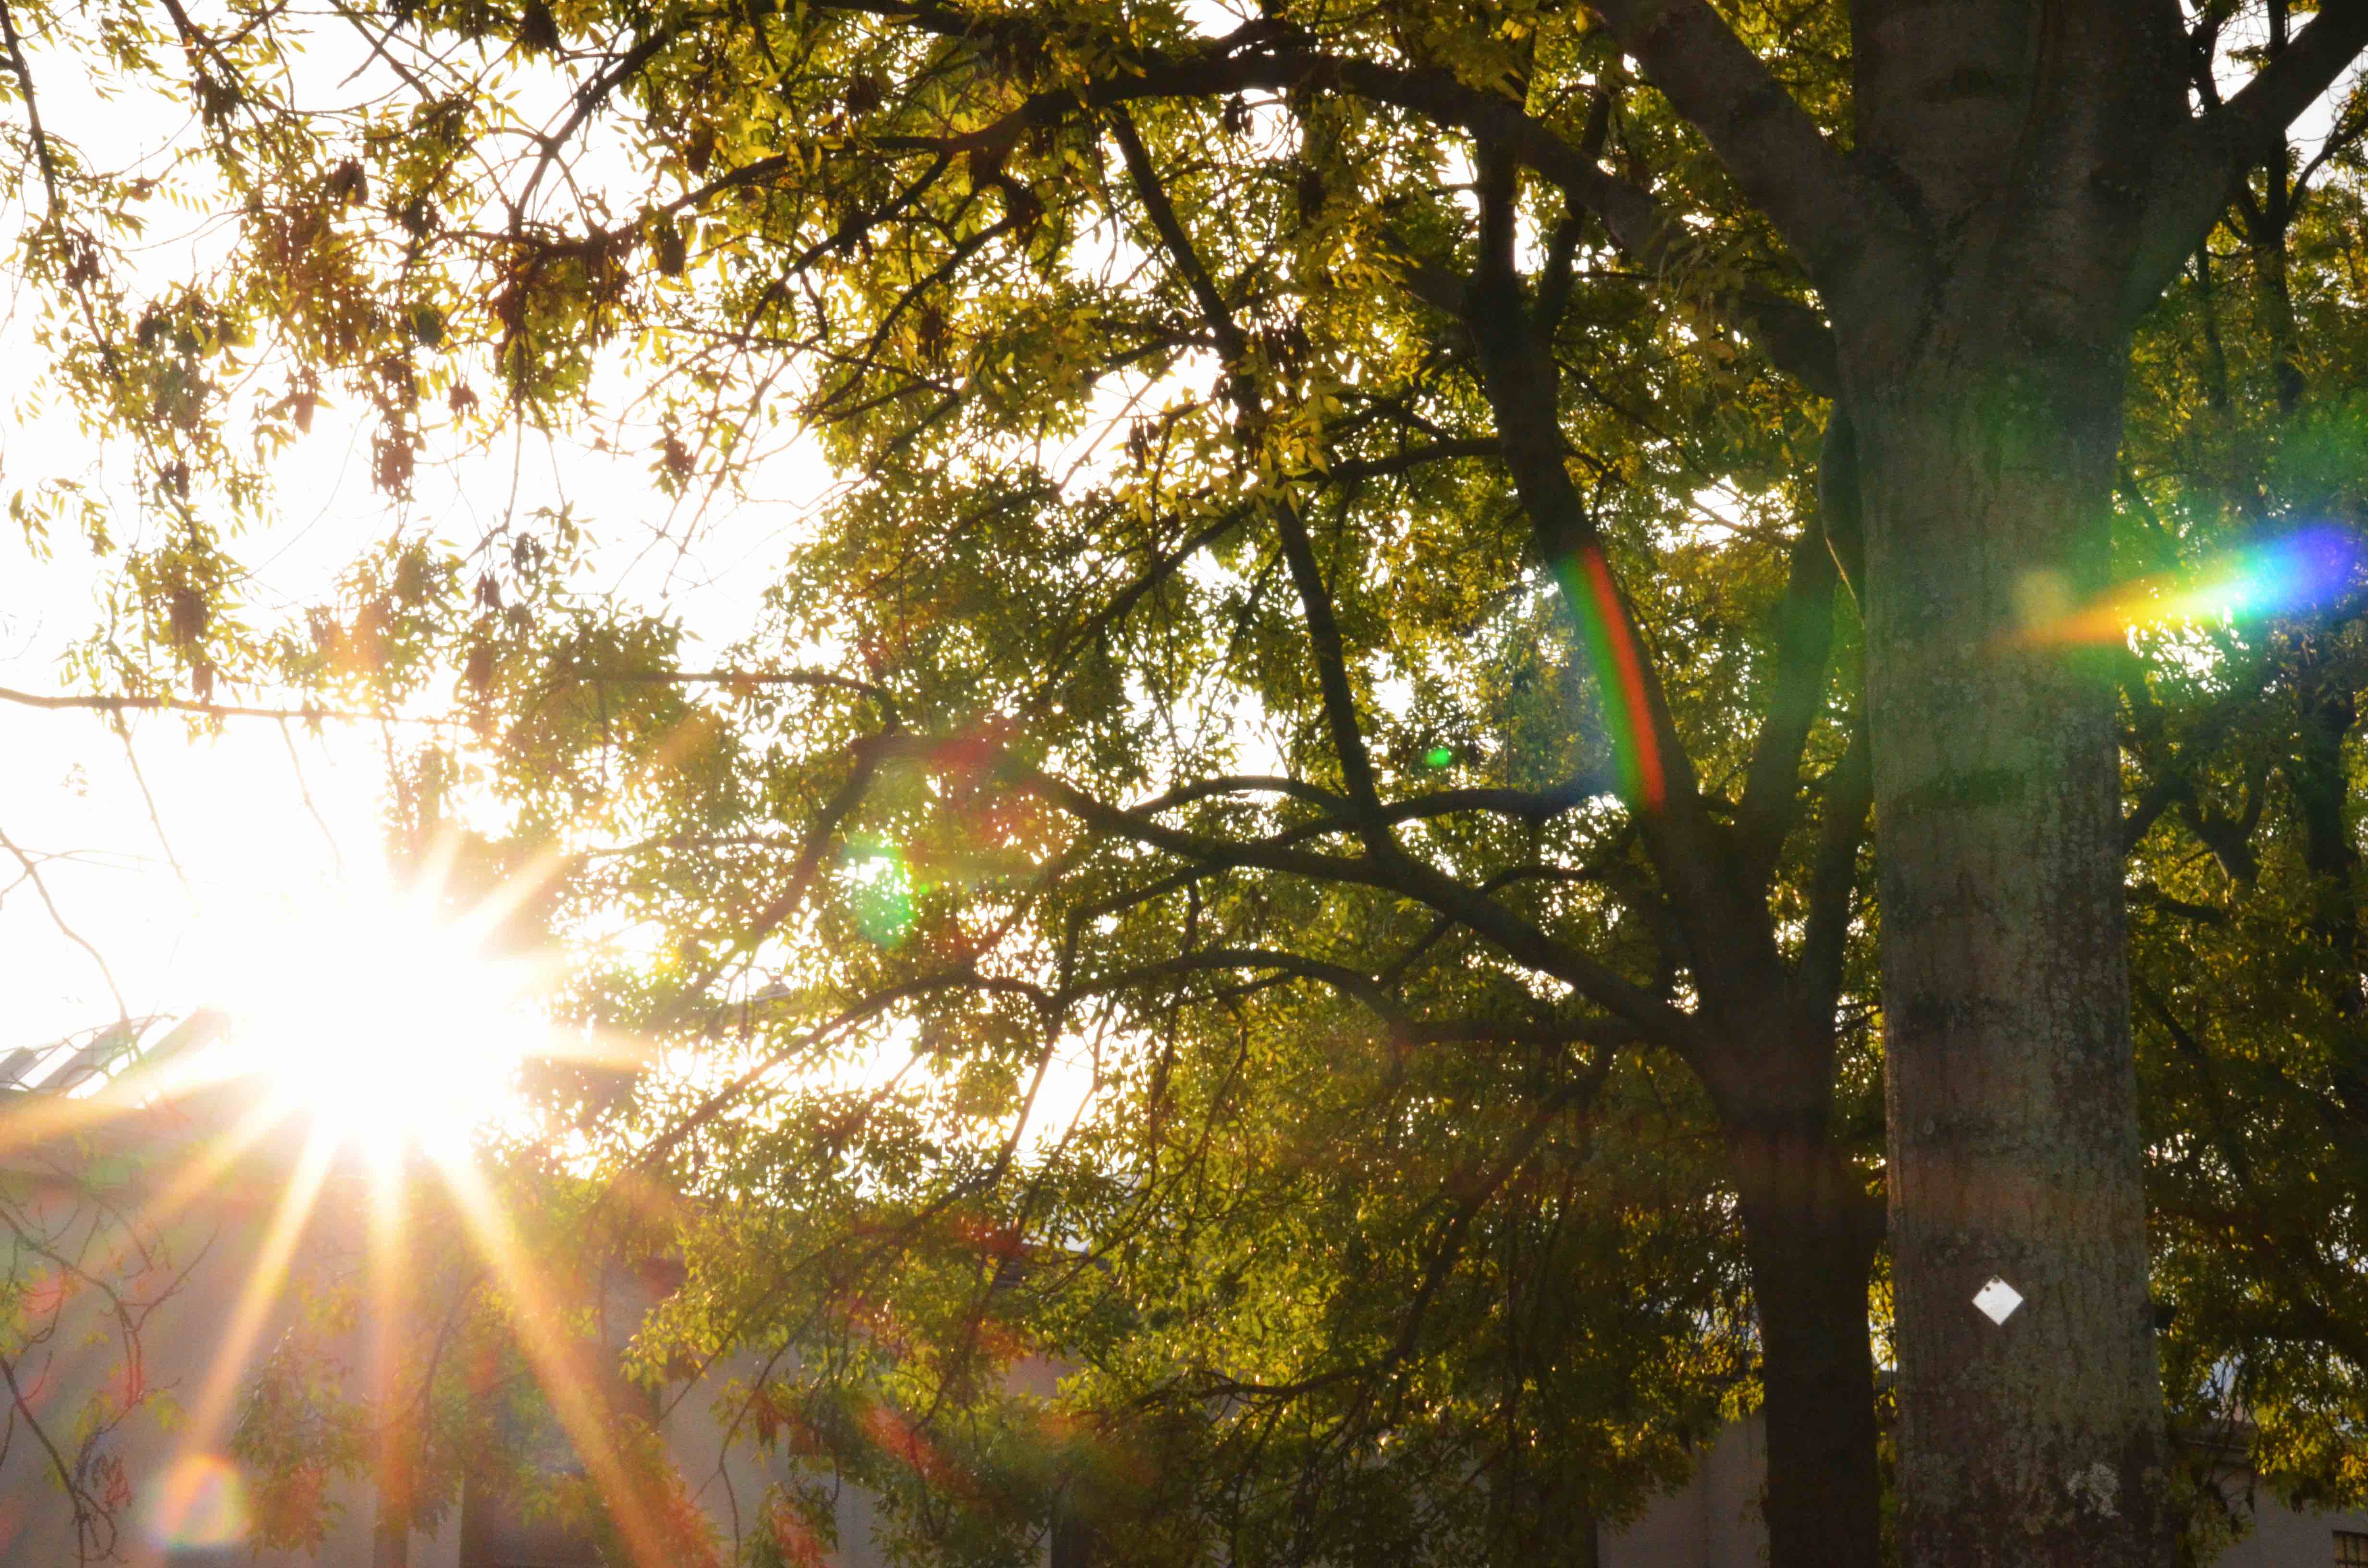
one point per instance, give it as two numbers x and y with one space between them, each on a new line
2242 793
1202 407
87 1267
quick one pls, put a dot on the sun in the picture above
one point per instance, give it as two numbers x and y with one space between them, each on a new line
385 1025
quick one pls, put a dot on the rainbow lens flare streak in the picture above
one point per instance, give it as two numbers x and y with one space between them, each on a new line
1619 665
2298 572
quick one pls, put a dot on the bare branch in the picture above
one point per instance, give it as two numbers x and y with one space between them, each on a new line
65 928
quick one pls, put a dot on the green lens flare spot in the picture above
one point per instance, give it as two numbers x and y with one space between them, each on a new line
880 896
1439 757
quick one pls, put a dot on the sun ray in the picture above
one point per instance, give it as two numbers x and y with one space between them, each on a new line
489 914
32 1122
265 1281
192 1179
372 1028
205 1165
564 1380
386 1222
142 1084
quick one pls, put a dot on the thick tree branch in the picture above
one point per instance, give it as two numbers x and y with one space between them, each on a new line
1825 212
1182 254
1399 874
1525 805
1689 852
1278 57
1348 982
2196 178
1794 337
44 154
307 715
1299 789
1357 471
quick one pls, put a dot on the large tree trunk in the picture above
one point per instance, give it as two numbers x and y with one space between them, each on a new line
2021 178
2014 1133
1810 1232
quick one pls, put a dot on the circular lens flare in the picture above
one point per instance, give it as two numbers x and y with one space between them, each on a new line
199 1504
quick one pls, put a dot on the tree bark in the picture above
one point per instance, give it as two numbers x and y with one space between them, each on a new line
2012 1100
1810 1232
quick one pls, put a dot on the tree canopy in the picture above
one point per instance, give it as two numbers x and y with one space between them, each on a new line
1294 833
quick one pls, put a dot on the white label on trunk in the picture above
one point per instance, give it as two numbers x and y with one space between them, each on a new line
1998 1301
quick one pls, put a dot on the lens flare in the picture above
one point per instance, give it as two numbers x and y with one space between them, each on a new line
1619 669
2289 576
378 1019
880 894
197 1504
